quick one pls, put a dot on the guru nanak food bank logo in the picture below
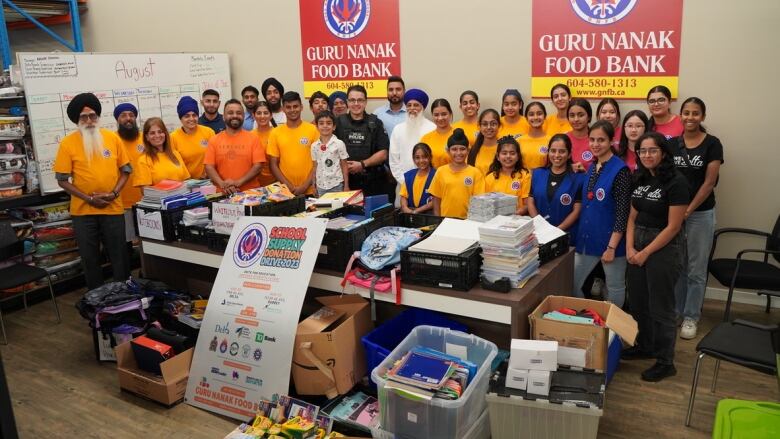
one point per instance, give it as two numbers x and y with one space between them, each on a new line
346 18
250 245
602 12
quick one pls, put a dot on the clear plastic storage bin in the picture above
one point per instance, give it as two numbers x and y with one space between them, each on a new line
409 418
480 430
512 417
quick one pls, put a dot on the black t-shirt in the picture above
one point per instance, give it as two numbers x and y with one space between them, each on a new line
652 198
554 182
693 162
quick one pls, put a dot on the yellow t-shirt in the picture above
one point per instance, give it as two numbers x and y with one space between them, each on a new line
265 177
134 149
418 188
98 175
519 186
471 130
485 158
516 130
150 172
534 151
192 148
553 125
438 144
455 188
292 146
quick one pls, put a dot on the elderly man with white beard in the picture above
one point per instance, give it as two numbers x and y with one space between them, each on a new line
92 166
407 134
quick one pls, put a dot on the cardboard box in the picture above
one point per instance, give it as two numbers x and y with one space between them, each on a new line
594 340
517 378
167 389
328 357
539 382
534 354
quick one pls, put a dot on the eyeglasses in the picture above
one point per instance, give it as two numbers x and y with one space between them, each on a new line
491 124
356 101
659 101
88 116
649 151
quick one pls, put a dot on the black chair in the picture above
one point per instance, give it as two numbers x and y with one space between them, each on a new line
740 342
20 274
749 274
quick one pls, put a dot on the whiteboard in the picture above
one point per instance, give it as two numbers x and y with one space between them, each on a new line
154 83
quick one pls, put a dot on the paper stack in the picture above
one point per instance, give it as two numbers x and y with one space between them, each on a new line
196 217
153 195
451 237
509 249
484 207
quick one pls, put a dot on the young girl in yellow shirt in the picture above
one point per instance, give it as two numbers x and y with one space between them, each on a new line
558 123
533 146
159 160
455 183
437 139
507 174
483 151
512 121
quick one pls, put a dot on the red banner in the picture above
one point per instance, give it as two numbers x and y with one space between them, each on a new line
605 48
346 42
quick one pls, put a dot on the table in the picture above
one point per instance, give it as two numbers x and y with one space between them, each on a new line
167 261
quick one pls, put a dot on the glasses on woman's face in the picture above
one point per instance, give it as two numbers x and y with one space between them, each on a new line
659 101
489 124
648 151
88 116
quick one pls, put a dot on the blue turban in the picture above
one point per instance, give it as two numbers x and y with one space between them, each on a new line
186 104
121 108
336 95
417 95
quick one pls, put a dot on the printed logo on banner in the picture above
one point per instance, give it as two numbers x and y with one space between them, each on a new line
565 199
258 354
217 371
235 375
600 194
234 349
250 245
252 381
223 346
213 344
346 18
243 332
515 185
246 350
602 12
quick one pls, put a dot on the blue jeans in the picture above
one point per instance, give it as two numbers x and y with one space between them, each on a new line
615 273
690 287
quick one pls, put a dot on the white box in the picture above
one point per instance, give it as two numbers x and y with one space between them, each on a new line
517 378
539 382
571 356
534 355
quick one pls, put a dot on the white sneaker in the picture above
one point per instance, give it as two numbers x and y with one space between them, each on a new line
598 287
688 330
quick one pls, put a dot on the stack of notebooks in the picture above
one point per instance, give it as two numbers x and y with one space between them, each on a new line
198 216
451 237
343 198
484 207
509 249
166 189
427 373
275 192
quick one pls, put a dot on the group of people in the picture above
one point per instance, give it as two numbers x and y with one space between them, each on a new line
635 194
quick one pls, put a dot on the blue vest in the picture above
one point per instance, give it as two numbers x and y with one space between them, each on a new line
597 218
409 182
562 203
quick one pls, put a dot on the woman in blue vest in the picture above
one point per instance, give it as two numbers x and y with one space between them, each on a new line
606 195
414 192
556 190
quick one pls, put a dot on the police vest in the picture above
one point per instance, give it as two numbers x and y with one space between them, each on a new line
358 135
597 218
562 203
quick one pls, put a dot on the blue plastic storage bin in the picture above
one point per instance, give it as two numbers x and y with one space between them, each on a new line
613 355
387 336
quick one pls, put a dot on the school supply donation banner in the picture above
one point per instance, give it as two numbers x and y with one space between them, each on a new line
605 48
348 42
245 345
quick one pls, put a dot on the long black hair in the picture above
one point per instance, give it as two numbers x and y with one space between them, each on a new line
495 167
696 101
566 142
474 151
666 169
664 90
622 147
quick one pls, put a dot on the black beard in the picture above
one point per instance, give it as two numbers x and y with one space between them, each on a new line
128 132
395 100
275 107
238 123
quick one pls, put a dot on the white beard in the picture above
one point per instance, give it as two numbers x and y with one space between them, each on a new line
92 141
415 127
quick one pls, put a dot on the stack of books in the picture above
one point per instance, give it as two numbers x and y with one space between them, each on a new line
196 217
509 249
342 198
153 195
485 207
427 373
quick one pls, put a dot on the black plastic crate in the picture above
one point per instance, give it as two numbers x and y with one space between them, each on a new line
339 245
275 208
216 242
192 234
416 220
553 249
170 218
459 272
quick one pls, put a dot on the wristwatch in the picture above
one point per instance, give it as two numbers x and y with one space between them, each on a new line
116 195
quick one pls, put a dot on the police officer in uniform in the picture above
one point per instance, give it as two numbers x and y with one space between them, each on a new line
367 144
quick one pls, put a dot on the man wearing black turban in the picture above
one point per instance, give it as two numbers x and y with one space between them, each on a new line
92 166
272 91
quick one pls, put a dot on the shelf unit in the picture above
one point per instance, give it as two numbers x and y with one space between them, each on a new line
25 14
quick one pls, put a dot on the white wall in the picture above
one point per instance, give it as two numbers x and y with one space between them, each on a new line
729 59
